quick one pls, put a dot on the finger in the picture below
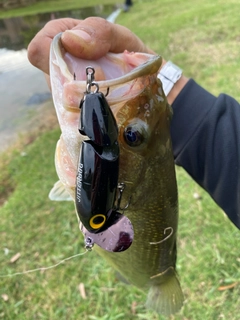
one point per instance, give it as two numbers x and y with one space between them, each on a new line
39 47
92 38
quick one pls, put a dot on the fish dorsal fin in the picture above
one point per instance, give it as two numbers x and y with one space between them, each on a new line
59 193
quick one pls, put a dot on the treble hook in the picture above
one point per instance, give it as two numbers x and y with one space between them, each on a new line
121 187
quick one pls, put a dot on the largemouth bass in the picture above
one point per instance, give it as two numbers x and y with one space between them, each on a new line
146 163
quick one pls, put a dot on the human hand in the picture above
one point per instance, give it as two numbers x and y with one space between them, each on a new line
89 39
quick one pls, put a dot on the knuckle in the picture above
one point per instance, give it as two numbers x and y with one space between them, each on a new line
32 52
100 25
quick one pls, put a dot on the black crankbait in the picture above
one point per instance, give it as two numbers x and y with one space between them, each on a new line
97 186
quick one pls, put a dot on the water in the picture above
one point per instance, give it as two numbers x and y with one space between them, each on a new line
16 33
23 88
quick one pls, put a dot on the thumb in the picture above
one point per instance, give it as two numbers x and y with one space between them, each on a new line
92 38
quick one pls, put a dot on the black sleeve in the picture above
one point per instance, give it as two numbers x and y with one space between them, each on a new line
206 143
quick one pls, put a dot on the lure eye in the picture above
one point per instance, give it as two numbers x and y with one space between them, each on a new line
135 134
97 221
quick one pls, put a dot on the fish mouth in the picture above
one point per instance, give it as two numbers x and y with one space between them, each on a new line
125 76
118 72
123 73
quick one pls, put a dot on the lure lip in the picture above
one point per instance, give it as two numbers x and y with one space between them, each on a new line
116 238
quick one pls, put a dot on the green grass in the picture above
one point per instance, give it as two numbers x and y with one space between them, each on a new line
203 38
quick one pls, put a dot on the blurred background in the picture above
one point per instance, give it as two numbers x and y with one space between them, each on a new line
203 38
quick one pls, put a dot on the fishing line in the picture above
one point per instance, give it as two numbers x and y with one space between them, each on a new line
43 268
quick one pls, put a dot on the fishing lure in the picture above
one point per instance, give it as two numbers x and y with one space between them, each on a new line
97 187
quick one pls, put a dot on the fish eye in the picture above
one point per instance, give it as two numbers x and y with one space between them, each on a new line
135 134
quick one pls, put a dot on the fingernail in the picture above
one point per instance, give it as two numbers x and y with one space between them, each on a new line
81 34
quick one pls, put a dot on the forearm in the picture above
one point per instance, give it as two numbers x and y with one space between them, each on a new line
206 137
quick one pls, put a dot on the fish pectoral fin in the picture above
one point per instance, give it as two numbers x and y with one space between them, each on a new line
59 193
165 296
